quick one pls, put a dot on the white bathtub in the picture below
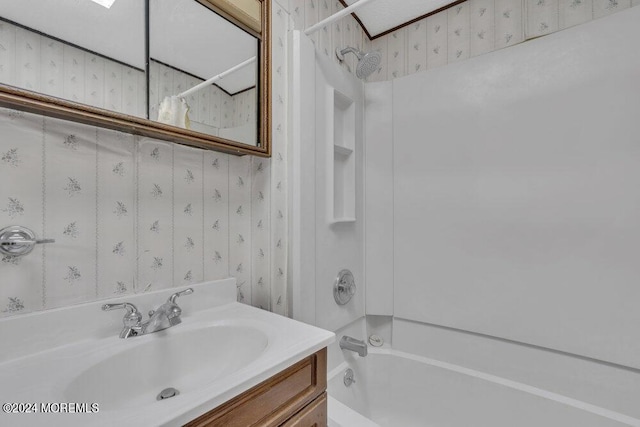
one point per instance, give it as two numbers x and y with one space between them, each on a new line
395 389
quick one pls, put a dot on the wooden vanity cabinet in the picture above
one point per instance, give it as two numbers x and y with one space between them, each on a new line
294 397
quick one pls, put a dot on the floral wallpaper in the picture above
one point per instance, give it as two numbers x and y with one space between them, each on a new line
131 214
461 32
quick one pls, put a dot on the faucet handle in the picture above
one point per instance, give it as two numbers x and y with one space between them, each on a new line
172 298
126 305
133 316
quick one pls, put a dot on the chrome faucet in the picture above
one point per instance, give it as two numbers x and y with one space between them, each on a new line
165 316
352 344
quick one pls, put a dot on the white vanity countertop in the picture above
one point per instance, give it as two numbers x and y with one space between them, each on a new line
50 357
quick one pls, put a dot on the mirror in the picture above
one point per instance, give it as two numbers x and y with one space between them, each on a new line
123 64
80 51
188 44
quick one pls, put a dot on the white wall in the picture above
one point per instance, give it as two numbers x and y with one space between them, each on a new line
379 197
514 206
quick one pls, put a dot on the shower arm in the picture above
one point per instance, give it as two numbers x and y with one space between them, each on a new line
347 10
216 78
349 50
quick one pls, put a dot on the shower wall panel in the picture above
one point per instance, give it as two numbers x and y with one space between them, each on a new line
322 245
516 201
379 198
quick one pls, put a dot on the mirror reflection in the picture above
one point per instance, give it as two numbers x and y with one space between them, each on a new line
94 52
203 71
86 51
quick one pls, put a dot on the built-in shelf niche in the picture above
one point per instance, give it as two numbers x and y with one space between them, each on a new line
342 197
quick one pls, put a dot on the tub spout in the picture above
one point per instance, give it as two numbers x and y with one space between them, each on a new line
352 344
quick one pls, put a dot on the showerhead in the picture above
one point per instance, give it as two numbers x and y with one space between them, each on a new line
367 62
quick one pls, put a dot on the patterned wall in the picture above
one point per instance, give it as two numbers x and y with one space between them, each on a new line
466 30
132 214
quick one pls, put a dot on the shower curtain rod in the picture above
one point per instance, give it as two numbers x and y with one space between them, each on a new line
216 78
312 29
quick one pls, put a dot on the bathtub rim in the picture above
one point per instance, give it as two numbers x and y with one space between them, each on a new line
495 379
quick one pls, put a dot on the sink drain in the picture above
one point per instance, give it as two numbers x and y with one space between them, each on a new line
167 393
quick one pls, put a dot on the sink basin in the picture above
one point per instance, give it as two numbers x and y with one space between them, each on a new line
219 350
186 361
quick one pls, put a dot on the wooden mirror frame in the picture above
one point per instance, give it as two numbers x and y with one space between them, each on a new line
25 100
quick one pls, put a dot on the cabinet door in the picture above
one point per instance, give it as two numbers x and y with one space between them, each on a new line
313 415
275 400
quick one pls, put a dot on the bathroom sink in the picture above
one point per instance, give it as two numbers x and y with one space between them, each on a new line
185 360
220 349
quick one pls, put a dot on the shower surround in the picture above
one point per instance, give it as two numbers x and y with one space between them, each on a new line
500 226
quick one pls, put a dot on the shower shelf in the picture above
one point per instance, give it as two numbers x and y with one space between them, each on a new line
341 197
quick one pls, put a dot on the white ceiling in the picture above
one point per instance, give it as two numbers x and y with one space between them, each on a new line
382 15
184 34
